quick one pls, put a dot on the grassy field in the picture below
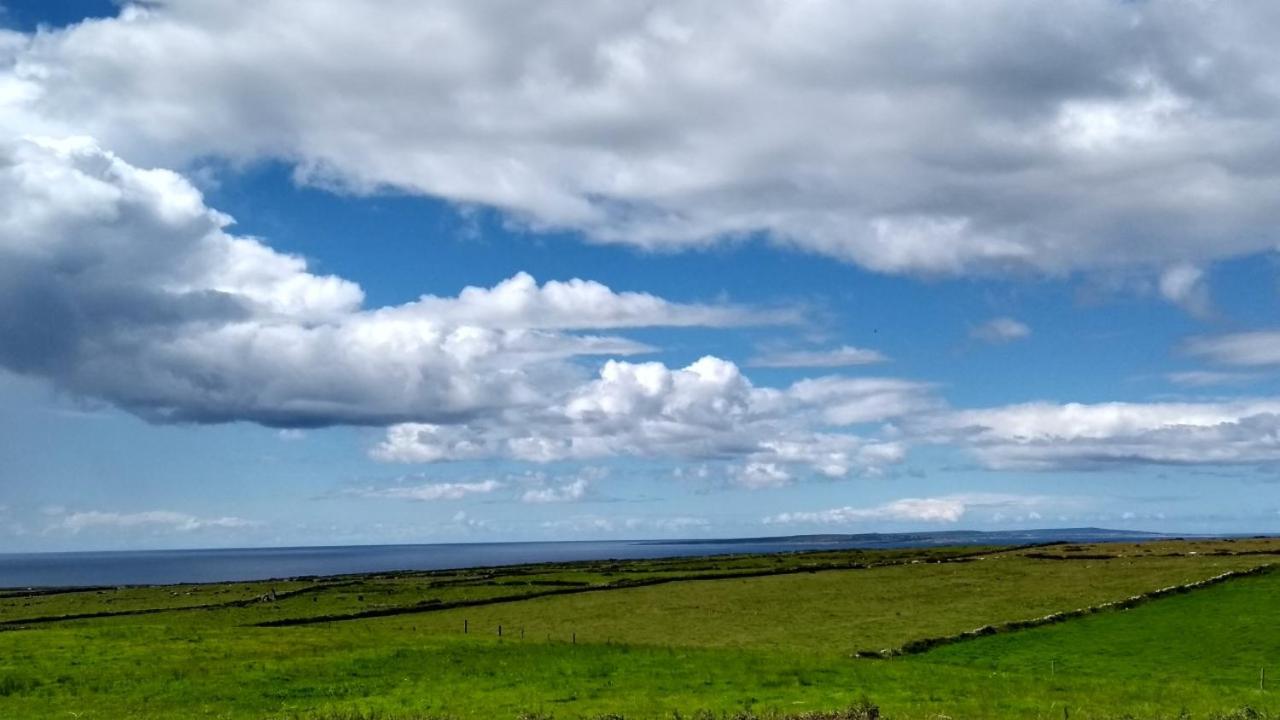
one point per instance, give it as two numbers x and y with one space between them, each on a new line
767 634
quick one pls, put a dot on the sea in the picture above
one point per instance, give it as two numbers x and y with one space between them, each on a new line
162 567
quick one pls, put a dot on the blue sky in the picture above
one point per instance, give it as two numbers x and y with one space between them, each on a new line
731 272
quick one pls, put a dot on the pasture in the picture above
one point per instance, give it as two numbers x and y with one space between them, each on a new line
767 634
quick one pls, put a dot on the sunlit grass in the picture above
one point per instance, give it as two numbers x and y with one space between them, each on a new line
776 644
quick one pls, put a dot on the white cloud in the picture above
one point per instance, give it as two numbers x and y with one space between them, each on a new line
596 524
1143 140
940 510
520 303
1208 378
582 523
675 524
462 521
1183 284
1000 330
843 356
156 520
757 475
707 410
945 509
1046 436
430 492
626 122
697 472
572 491
1248 349
134 292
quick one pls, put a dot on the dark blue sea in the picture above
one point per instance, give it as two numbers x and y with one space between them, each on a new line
154 567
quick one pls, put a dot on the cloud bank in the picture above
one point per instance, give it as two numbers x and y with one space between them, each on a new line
944 509
1092 135
1048 436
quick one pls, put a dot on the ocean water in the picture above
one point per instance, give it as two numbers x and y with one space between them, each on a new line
153 567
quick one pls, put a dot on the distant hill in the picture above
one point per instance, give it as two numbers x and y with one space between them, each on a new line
942 537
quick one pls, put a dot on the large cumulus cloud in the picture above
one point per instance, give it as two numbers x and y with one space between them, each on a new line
706 411
118 283
1085 135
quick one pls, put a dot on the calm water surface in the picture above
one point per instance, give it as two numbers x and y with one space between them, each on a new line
182 566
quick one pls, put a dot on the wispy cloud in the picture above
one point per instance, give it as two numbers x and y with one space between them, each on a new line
463 521
936 510
844 356
1209 378
543 488
945 509
758 475
610 525
166 520
432 491
1183 284
1248 349
1000 330
572 491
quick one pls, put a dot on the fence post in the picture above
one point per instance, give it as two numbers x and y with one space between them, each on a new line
499 631
464 626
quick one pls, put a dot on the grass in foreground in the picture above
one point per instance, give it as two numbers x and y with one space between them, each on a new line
775 644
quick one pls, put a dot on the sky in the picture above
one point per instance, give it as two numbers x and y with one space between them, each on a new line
277 273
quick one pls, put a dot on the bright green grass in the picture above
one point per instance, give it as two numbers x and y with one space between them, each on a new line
688 648
135 598
832 613
352 594
1191 648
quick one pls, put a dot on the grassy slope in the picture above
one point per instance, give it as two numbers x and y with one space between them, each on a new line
690 648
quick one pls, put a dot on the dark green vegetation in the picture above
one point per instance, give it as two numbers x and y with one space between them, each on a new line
759 636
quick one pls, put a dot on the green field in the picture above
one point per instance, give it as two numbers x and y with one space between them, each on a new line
770 634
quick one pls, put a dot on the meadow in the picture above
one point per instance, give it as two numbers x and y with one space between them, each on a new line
760 635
